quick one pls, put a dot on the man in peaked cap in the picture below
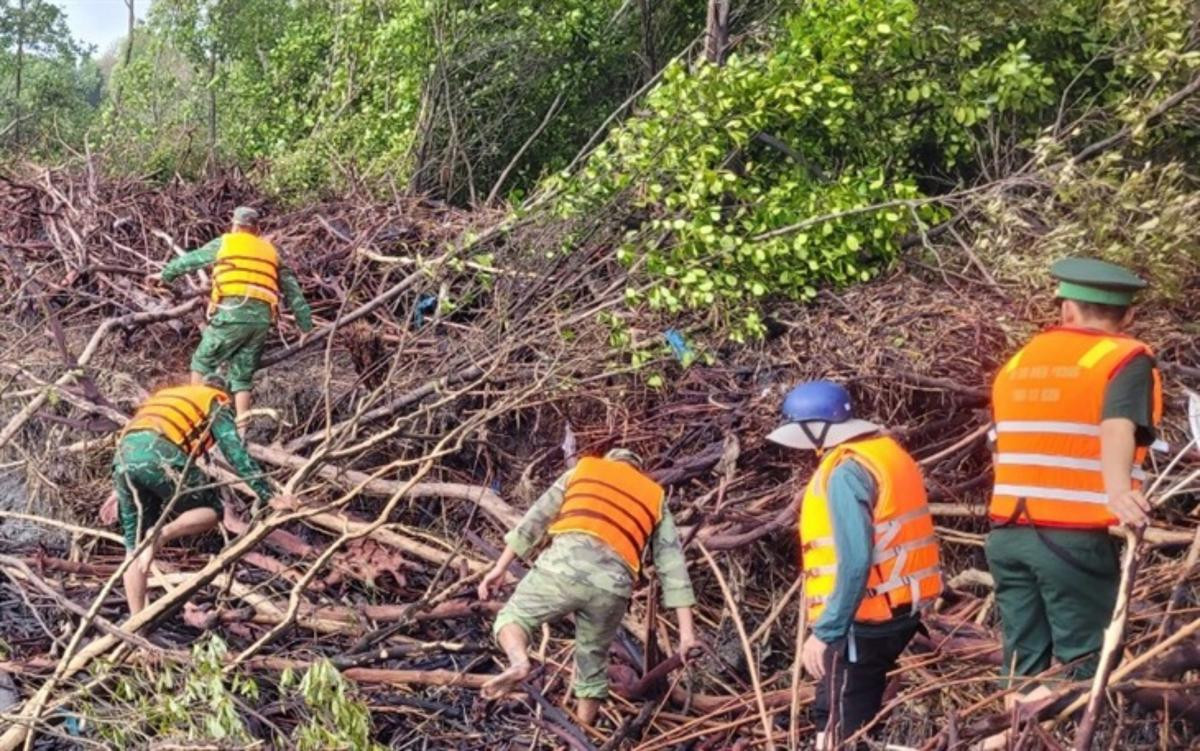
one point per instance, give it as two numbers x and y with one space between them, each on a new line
602 515
1074 412
871 562
248 281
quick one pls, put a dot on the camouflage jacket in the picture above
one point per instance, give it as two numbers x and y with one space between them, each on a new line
243 311
583 558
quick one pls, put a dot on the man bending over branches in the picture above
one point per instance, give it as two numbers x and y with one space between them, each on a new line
601 515
155 474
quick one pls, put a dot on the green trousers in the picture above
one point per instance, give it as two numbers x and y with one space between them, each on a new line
238 345
147 472
1055 590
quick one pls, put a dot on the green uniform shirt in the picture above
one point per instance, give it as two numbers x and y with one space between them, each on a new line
153 468
574 555
243 310
1130 394
225 435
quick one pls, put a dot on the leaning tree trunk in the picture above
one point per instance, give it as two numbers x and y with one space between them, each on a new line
716 37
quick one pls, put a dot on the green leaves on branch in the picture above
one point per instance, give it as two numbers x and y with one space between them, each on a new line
804 162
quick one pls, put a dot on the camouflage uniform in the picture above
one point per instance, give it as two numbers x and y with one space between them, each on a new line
150 470
579 574
238 331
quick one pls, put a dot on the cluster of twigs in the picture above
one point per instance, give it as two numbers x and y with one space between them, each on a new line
457 355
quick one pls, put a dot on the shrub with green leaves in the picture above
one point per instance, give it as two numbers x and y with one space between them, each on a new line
807 162
202 701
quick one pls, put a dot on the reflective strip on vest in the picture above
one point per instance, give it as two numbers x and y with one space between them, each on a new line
1052 494
1062 462
886 555
1057 427
896 582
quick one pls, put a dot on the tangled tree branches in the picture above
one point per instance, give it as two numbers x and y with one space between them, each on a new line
434 409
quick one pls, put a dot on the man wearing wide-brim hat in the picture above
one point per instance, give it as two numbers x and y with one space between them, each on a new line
871 562
249 280
1074 412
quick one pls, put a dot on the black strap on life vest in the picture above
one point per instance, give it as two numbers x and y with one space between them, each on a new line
1066 556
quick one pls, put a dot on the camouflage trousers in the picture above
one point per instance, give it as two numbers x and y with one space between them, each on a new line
544 596
238 345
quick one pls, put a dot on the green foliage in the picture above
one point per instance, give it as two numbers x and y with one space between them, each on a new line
336 719
49 82
1142 216
438 95
201 701
194 702
807 163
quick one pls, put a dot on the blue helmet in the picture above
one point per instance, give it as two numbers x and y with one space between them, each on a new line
817 400
817 415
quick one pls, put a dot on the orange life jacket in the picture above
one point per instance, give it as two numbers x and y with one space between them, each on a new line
613 502
1047 404
180 415
905 563
247 266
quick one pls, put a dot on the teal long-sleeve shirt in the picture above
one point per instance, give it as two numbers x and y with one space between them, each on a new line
851 493
243 311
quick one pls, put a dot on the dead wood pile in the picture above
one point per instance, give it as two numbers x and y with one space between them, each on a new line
454 355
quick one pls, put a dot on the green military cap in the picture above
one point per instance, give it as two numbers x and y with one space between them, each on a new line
245 216
1091 280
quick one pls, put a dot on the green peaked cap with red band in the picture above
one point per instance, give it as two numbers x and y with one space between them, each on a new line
1095 281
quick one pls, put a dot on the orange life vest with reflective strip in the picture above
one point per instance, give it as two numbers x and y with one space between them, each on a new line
905 562
247 266
614 502
1047 404
180 415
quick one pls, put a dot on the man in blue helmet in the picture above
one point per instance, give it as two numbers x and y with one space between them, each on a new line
870 557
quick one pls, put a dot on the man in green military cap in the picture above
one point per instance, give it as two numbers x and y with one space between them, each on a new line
248 281
1074 412
602 515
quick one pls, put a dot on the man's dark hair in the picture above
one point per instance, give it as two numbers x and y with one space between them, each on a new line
1111 313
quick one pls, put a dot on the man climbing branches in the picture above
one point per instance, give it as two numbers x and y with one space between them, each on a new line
248 281
602 515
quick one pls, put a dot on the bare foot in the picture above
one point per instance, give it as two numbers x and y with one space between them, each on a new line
498 686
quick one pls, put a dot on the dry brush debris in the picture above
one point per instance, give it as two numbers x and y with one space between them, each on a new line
454 351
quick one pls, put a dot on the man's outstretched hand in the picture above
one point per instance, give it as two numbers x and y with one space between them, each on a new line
490 583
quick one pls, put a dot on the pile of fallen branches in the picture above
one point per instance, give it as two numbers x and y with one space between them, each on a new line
458 358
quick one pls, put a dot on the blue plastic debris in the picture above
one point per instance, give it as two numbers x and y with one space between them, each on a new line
426 304
683 353
73 724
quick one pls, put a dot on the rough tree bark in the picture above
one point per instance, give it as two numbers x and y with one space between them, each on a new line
129 32
716 37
